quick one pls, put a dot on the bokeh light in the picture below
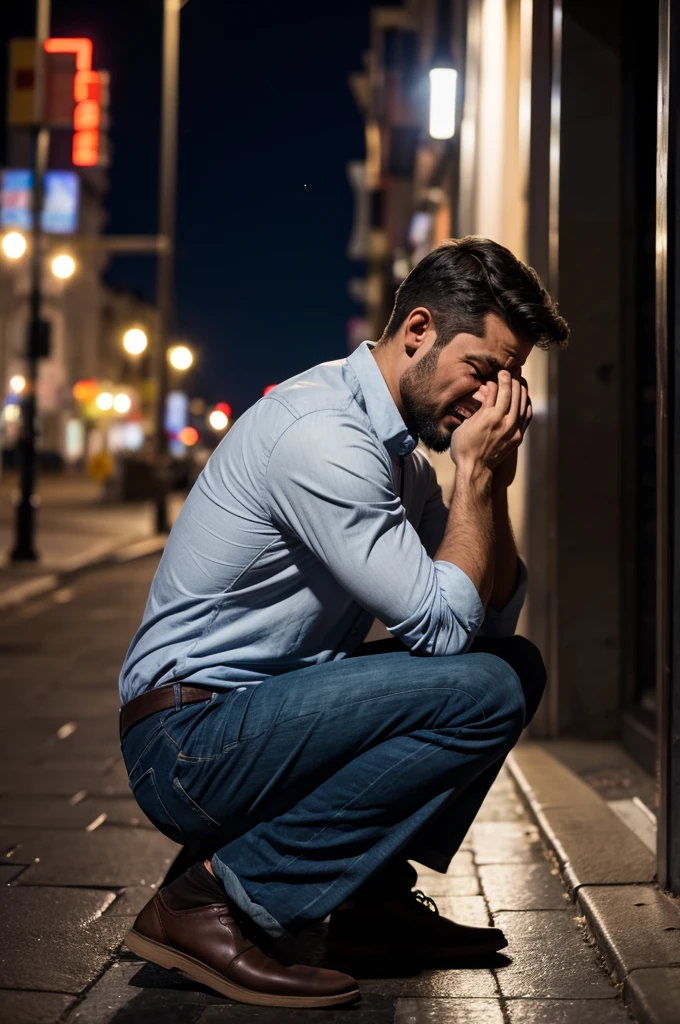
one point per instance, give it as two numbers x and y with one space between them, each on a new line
13 245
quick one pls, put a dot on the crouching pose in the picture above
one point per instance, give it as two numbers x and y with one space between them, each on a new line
256 727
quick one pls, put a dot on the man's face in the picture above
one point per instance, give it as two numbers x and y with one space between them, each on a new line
440 389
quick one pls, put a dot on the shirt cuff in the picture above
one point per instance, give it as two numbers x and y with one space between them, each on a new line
503 622
466 608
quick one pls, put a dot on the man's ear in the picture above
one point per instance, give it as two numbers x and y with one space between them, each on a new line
418 326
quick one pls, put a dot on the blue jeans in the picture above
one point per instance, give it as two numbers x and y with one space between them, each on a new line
304 786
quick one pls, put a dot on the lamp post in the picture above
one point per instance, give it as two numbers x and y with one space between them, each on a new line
36 340
167 218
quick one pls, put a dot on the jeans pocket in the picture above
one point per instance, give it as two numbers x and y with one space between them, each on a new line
145 792
204 823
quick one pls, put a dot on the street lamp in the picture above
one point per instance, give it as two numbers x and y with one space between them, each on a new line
122 403
13 245
104 401
218 420
135 341
180 357
63 266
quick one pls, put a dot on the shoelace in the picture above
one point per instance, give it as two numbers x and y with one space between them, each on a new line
426 901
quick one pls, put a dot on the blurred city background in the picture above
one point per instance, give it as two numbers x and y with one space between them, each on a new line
230 192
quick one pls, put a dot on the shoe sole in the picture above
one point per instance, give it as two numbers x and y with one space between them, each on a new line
414 952
166 956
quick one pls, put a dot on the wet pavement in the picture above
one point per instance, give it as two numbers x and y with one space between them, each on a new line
78 859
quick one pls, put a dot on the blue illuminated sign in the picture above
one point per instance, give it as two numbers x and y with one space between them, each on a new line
60 206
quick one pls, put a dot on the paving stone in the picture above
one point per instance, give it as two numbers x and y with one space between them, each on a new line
468 982
370 1010
131 900
636 926
448 1011
523 887
597 848
113 856
549 958
67 703
502 802
130 992
592 844
549 783
506 843
10 871
653 994
59 812
39 925
462 864
32 1007
89 739
437 885
464 909
55 778
567 1011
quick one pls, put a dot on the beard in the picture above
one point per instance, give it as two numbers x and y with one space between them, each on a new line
415 388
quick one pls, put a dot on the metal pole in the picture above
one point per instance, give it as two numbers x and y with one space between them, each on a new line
166 228
24 546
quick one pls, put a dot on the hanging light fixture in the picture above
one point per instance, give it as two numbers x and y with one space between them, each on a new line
443 78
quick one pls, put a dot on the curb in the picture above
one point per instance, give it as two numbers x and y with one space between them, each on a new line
610 875
42 585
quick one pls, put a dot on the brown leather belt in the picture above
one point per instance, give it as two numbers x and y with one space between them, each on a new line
159 699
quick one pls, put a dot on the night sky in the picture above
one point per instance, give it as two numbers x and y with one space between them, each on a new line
267 125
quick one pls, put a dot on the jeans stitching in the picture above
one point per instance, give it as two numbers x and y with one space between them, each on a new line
291 860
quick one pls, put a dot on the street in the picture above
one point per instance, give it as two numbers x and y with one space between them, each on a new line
79 860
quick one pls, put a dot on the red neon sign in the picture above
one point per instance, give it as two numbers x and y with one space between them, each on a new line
87 95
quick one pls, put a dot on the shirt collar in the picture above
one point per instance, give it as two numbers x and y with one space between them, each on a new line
378 402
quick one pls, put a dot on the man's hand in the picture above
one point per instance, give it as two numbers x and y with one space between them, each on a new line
504 474
492 433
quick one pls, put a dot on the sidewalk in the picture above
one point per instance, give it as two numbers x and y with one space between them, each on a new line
75 529
78 860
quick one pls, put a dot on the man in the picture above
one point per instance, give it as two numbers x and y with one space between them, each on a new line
250 727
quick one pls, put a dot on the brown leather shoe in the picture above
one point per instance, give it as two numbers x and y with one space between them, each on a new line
205 942
406 925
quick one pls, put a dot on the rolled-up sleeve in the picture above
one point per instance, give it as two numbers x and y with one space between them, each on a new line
329 483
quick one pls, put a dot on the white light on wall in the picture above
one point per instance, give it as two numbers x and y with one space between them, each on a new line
443 102
17 383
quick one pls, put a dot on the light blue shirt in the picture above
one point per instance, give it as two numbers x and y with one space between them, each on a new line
314 516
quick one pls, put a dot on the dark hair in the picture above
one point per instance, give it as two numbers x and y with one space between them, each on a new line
464 279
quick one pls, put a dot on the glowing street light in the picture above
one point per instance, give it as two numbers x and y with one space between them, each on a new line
104 401
135 341
218 420
63 266
13 245
443 83
122 403
17 383
180 357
